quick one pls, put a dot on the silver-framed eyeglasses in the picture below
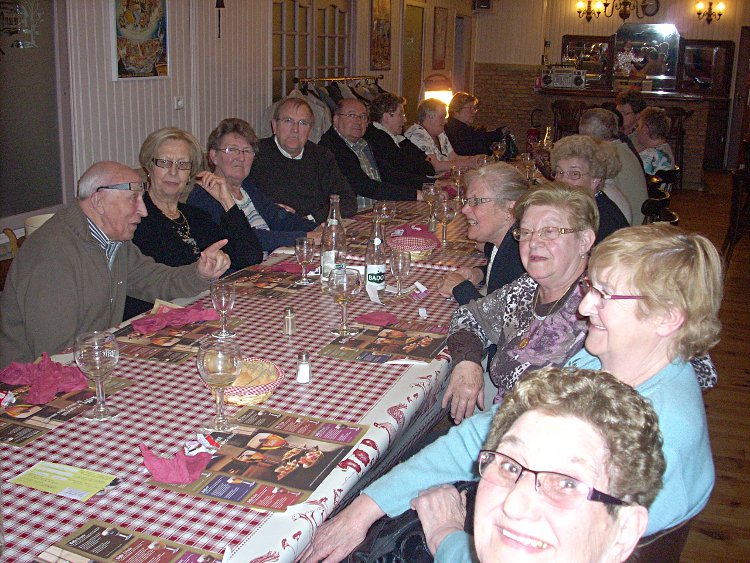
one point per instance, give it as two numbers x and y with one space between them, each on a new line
558 489
474 201
545 233
167 163
570 175
354 116
137 187
588 287
290 121
236 152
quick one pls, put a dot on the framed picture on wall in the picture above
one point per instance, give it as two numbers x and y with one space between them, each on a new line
440 38
140 39
380 34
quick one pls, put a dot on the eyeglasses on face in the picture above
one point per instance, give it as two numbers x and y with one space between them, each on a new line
588 287
167 164
236 152
397 114
558 489
545 233
351 115
570 175
136 187
289 122
474 201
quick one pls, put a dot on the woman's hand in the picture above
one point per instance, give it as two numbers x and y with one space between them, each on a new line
442 511
338 537
287 208
451 280
316 234
465 390
217 187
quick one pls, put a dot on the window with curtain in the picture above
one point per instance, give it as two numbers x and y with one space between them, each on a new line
310 38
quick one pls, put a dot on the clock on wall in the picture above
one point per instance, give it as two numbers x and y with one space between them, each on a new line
650 7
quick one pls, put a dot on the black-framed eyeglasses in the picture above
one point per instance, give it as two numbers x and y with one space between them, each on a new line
558 489
290 121
545 233
587 287
235 152
167 164
137 187
351 115
570 175
474 201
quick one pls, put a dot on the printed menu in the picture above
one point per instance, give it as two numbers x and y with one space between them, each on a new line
256 282
273 460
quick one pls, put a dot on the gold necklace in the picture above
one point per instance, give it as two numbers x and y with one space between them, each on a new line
526 339
183 230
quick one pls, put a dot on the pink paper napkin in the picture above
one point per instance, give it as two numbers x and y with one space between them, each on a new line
46 378
288 267
174 317
377 318
179 469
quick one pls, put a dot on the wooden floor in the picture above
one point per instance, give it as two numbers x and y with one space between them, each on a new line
722 531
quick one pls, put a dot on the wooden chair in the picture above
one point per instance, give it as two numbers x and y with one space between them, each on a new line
12 240
662 547
653 206
676 136
739 213
669 178
566 115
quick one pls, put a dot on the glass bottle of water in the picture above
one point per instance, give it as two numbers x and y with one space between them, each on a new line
375 258
333 242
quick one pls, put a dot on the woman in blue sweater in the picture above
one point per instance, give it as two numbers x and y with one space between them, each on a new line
231 151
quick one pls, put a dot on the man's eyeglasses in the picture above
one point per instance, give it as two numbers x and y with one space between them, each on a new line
167 164
301 123
137 187
545 233
587 287
235 152
571 175
558 489
353 116
474 201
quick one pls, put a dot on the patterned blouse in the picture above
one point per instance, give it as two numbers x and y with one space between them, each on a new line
657 158
420 137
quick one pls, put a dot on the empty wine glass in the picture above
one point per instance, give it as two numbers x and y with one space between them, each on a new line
344 286
222 297
498 150
219 363
446 212
430 194
304 249
96 355
400 266
385 211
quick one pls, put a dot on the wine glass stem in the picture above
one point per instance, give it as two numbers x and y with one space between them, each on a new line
398 285
221 420
100 395
343 317
223 322
304 272
445 232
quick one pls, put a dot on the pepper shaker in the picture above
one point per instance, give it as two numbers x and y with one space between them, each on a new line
289 322
304 371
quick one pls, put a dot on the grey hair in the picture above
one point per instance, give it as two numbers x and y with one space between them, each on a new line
599 123
504 180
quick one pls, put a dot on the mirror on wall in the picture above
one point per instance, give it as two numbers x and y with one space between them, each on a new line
592 53
647 52
706 66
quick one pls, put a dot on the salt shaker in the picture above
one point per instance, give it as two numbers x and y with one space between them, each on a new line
303 368
289 322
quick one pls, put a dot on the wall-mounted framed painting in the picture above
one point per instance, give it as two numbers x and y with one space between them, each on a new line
380 34
440 38
140 39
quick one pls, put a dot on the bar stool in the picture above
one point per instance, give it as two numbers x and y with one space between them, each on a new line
566 115
676 136
739 213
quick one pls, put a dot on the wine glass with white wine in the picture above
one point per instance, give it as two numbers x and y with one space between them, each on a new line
96 354
222 296
344 286
219 363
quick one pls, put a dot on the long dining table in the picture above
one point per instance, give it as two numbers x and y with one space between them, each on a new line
166 402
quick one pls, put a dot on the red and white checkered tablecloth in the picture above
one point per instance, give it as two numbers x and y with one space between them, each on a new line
166 404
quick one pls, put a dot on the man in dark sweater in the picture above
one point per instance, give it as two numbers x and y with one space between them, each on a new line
295 172
355 158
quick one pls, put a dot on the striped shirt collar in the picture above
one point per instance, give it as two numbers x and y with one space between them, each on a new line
110 247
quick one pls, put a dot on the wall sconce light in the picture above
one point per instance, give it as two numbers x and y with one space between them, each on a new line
709 13
586 10
438 86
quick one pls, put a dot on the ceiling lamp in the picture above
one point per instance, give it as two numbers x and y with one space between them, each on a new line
624 8
585 9
709 14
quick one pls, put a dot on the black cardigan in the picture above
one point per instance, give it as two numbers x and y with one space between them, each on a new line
403 164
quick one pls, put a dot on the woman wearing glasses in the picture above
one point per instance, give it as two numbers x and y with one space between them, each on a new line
231 151
173 232
581 161
533 321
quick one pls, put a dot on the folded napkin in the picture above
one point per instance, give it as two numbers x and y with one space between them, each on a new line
377 318
179 469
174 317
288 267
46 378
413 238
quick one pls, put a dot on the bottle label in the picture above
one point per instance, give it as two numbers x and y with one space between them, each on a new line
376 275
327 263
332 222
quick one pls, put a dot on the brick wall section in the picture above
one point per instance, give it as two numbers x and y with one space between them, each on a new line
507 97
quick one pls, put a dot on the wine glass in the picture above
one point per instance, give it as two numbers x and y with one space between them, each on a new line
430 194
222 297
400 266
498 150
385 211
219 363
527 159
446 212
304 249
344 285
96 355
